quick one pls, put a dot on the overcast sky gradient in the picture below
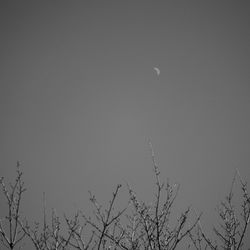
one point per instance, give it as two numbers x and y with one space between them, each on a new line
79 97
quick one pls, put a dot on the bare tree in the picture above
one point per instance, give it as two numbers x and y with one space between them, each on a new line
150 224
106 224
76 229
233 227
10 231
53 236
137 226
147 226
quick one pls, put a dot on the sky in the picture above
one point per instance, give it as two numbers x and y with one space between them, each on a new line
79 99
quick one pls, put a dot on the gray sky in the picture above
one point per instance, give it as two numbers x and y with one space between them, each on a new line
79 97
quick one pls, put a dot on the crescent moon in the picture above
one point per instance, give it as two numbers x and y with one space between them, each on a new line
157 71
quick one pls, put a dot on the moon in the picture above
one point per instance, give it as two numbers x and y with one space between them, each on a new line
157 71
